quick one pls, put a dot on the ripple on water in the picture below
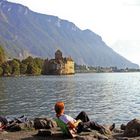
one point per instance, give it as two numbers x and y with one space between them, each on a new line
107 97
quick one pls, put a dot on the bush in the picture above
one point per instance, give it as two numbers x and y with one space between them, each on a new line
15 65
2 55
7 70
23 68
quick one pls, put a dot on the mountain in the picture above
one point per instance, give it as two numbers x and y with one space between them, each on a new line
24 32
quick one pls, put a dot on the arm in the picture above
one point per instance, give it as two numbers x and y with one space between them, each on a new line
73 125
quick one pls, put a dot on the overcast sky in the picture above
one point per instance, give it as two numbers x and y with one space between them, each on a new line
116 21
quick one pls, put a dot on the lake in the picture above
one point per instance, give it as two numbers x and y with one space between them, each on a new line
106 97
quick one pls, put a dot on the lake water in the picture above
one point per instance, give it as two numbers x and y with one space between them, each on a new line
106 97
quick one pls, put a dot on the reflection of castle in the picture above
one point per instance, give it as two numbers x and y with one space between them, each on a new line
59 65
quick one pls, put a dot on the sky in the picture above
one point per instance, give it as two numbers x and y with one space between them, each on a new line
116 21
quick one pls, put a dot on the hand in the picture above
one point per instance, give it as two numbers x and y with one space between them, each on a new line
77 122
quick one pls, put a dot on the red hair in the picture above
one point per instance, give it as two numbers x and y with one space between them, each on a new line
59 106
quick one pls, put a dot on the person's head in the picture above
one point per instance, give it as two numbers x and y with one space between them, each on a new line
59 107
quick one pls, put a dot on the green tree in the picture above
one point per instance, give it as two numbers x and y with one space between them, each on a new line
7 70
39 62
34 66
2 55
33 69
15 65
28 60
23 68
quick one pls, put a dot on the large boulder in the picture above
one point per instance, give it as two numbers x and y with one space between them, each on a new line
44 123
132 128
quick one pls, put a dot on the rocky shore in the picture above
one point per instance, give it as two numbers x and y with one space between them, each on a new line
130 131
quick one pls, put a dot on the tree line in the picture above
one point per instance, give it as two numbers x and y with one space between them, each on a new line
28 66
37 66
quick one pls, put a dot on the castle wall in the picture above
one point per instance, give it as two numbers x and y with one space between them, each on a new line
60 65
69 67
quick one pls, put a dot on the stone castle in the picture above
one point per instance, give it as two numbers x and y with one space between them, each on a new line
59 65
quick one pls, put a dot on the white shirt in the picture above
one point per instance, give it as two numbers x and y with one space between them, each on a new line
66 118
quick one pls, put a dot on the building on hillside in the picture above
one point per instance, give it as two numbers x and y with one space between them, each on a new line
59 65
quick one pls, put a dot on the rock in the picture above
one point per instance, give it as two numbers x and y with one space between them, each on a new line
93 135
27 125
123 127
132 128
85 138
13 127
117 130
3 132
44 123
44 132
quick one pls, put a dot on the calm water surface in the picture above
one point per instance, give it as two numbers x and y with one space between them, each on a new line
106 97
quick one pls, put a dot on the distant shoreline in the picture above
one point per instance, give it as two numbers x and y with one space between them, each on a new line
77 72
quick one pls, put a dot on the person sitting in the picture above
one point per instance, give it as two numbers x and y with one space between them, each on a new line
80 123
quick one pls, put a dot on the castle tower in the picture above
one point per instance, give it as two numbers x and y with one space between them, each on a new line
58 55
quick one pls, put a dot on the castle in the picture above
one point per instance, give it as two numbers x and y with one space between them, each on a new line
59 65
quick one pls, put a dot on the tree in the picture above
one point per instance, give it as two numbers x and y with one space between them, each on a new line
33 69
39 62
34 66
7 70
28 60
23 68
15 65
2 55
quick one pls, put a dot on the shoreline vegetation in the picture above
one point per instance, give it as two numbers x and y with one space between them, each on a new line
37 66
91 69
